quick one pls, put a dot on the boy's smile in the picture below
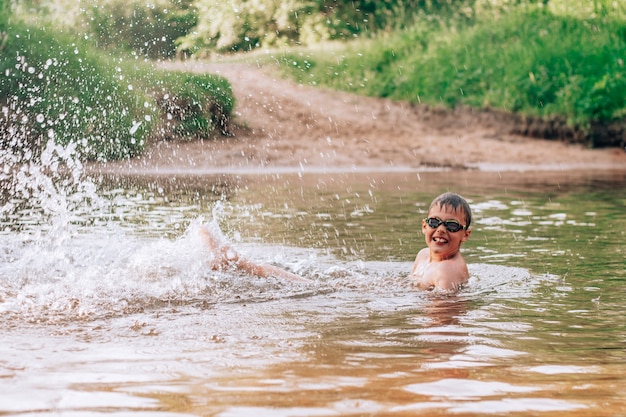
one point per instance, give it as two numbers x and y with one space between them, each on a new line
440 239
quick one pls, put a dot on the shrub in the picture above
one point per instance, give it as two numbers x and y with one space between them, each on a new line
54 86
63 89
151 29
192 105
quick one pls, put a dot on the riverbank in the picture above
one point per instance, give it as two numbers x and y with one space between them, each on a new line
280 125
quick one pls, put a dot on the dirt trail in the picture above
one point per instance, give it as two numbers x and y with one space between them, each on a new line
285 126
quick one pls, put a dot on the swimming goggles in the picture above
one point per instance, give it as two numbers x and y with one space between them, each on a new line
451 225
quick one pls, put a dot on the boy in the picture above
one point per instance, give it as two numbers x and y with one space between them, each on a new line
440 265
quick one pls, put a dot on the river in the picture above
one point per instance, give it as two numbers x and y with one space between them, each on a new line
108 306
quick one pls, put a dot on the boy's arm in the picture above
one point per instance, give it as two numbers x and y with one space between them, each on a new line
222 253
419 258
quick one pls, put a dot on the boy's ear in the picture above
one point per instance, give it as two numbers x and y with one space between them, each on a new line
466 235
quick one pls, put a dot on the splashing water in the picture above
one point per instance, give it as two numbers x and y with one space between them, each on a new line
81 265
43 187
108 309
63 257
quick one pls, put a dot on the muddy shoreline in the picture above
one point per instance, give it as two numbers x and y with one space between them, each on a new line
281 126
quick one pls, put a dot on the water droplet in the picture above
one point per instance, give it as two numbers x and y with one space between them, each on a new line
134 128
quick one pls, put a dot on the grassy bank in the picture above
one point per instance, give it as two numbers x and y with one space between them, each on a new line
556 65
57 86
538 64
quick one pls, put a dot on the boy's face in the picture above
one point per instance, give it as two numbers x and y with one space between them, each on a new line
440 241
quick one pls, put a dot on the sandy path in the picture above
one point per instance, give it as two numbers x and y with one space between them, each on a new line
286 126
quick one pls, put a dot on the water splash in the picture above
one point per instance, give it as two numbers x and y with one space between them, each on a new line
63 257
48 188
107 272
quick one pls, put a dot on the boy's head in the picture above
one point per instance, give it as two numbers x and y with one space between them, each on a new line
456 203
454 213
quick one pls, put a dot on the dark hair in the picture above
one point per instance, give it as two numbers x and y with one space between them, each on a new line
455 201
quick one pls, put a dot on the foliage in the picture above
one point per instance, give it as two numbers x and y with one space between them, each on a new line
60 14
62 89
546 58
151 30
193 105
534 62
165 28
55 86
4 14
244 25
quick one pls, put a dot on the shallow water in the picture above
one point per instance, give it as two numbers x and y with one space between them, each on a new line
109 308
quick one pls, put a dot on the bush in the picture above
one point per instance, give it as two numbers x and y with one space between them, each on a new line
532 62
543 64
243 25
151 30
63 89
192 105
57 87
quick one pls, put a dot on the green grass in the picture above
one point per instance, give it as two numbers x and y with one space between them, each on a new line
563 60
530 62
57 86
65 90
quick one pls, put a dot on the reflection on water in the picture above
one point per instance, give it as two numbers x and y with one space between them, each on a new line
117 313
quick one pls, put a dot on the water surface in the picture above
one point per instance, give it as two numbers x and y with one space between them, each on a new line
108 306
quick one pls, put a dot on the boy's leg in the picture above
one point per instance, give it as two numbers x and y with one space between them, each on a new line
222 253
225 255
